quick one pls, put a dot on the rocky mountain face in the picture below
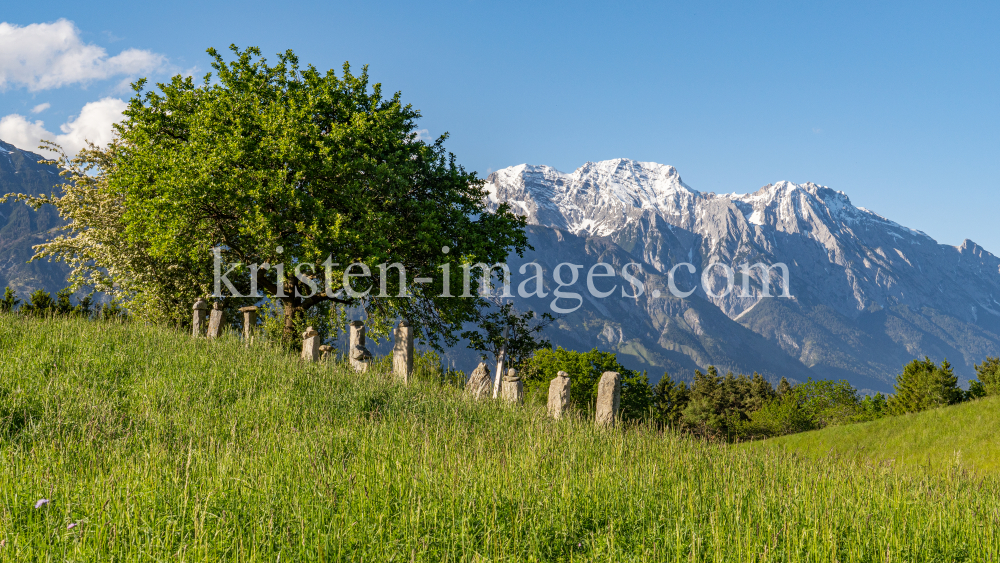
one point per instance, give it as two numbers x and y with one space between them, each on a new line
866 294
21 227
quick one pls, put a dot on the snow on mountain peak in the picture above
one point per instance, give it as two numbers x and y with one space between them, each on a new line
594 198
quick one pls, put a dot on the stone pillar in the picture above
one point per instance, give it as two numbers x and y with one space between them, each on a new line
249 322
198 322
559 395
310 345
609 396
512 390
324 353
402 352
479 383
216 321
356 347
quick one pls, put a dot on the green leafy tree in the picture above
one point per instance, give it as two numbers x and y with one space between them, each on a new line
987 382
924 385
873 407
782 415
10 301
503 326
281 164
586 369
94 244
637 395
277 164
828 403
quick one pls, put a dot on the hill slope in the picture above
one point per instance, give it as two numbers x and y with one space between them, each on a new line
961 436
149 445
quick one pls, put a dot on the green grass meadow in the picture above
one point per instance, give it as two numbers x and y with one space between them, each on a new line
153 446
964 437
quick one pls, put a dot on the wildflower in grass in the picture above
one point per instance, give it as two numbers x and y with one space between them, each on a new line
71 525
41 503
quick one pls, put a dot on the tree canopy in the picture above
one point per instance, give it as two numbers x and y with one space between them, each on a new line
924 385
277 164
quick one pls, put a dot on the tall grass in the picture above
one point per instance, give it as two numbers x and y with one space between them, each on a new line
958 437
162 448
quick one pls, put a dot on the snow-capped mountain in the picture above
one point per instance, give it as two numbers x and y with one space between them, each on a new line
21 227
848 267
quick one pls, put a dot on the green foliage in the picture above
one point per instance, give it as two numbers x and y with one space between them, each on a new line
669 401
783 387
987 382
94 244
10 301
39 303
637 396
924 385
585 369
873 407
160 447
782 415
110 311
721 406
273 164
827 403
523 332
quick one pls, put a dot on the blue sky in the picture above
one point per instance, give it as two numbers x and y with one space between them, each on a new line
895 104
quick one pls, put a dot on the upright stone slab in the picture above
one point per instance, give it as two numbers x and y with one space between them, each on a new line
249 322
216 321
357 347
310 345
512 390
609 396
325 353
402 352
198 321
559 395
480 384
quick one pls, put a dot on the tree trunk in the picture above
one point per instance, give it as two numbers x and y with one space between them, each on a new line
292 313
501 363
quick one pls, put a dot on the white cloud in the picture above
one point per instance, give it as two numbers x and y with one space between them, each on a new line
23 134
418 135
93 124
41 107
50 55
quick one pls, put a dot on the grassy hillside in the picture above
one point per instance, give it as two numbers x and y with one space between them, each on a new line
153 447
962 437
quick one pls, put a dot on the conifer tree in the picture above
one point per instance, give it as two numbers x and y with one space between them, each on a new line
761 393
783 387
924 385
670 398
9 301
988 375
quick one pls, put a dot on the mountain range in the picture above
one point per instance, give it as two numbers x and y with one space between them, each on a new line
21 227
866 294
